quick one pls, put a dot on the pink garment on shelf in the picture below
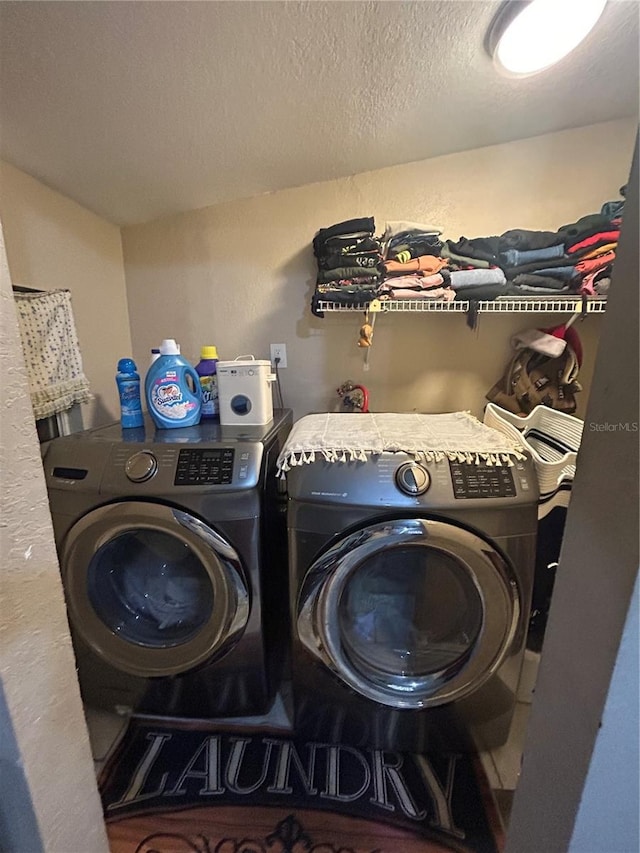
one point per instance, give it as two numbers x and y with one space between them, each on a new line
442 293
417 280
587 285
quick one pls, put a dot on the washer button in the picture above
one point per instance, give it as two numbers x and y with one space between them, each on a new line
141 466
412 479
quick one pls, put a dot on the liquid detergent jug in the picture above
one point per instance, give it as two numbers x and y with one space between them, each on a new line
172 389
206 370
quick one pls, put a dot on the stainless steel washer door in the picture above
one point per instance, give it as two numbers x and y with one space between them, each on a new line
411 613
151 589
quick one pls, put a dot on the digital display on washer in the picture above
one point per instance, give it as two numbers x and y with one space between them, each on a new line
198 467
481 481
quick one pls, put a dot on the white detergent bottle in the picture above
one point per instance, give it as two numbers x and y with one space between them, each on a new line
172 389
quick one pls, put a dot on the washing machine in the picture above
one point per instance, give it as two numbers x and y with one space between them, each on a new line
410 589
172 549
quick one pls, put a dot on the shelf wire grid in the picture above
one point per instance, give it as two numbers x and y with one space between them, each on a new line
502 305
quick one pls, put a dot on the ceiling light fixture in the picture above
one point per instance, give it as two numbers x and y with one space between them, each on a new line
528 36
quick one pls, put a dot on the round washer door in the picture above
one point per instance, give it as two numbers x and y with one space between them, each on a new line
410 613
152 589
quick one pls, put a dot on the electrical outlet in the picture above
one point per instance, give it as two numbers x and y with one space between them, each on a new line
279 351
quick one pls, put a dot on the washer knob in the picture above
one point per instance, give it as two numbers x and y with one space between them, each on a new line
141 466
412 478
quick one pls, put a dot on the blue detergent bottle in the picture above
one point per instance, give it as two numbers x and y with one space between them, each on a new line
128 382
172 389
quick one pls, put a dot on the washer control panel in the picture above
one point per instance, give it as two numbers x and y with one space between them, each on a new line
481 481
169 468
399 481
205 467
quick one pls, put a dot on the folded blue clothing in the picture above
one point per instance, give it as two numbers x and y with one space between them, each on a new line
472 278
563 273
541 291
533 280
516 257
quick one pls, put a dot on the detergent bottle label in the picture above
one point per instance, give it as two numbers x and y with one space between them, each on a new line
130 398
168 399
209 389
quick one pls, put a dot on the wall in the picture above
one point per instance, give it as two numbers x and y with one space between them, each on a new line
608 816
48 795
52 242
240 275
575 732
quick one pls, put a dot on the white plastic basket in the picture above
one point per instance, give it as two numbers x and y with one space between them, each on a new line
553 440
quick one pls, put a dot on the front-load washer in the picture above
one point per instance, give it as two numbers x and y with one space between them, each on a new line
172 549
410 588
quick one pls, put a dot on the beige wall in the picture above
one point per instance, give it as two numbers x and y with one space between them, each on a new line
240 275
52 242
48 794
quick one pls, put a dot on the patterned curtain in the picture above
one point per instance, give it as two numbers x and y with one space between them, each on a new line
51 352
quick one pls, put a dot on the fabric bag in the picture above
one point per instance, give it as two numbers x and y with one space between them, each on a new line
534 379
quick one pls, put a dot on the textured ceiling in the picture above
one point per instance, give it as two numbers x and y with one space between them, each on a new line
141 109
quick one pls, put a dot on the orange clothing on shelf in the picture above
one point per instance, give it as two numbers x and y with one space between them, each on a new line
601 250
429 264
586 266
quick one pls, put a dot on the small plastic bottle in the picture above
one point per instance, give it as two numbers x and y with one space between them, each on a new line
128 382
155 353
206 369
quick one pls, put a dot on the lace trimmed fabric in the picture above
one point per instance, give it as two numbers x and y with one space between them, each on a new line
343 437
51 352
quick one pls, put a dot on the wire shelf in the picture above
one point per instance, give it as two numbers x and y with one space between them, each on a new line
502 305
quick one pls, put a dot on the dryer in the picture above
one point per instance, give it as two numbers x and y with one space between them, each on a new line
410 589
172 549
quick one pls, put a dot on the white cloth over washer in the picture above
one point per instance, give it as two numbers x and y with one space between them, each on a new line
345 437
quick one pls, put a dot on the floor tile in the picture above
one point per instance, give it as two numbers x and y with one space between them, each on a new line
508 758
105 729
529 676
504 802
490 769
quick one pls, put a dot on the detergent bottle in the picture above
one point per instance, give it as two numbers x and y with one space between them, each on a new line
206 370
155 355
172 389
128 382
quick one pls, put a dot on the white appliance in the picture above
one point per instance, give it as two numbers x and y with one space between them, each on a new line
244 391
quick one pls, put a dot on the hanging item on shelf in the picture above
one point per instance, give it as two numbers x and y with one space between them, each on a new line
537 376
366 335
355 398
366 330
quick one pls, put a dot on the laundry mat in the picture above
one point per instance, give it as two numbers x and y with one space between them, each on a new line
186 789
